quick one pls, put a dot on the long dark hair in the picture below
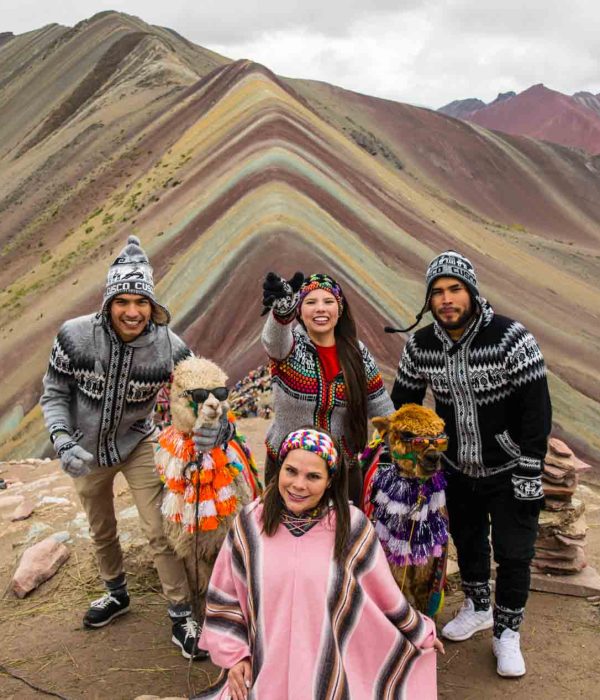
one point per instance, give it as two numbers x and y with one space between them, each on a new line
337 492
355 379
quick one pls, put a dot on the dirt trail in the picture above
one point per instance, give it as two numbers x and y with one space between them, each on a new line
43 640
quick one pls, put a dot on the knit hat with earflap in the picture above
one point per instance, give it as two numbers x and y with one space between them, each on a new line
447 264
131 273
451 264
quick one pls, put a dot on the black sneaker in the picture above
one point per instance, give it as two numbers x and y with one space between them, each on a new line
105 609
185 634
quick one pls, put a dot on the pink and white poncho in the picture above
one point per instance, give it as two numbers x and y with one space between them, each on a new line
314 629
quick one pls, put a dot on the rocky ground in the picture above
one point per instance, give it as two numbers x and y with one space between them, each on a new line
44 642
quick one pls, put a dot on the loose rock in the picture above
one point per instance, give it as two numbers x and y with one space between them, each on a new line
22 511
38 563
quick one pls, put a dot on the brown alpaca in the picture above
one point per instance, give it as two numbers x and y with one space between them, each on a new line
403 495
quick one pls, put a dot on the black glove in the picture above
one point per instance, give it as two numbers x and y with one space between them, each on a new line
280 295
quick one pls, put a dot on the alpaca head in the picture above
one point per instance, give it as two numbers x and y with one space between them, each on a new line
416 439
198 394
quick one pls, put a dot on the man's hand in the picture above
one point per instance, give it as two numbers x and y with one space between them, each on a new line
74 460
527 488
280 295
207 437
240 680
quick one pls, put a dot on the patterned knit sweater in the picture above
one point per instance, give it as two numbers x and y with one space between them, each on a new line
490 388
102 391
302 396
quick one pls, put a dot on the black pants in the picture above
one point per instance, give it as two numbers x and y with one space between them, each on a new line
474 504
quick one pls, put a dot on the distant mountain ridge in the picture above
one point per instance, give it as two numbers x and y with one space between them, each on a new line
226 171
569 120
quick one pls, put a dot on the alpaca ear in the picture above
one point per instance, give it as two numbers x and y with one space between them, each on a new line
381 424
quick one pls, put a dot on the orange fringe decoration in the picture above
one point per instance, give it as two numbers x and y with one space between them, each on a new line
210 483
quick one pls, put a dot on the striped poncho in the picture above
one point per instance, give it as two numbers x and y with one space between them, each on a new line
313 628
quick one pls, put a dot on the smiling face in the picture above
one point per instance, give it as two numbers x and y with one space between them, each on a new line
129 315
451 303
303 480
320 313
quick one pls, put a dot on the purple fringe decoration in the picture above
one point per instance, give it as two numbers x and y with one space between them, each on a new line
394 530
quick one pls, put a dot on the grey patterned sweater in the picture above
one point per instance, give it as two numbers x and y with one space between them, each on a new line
102 391
302 396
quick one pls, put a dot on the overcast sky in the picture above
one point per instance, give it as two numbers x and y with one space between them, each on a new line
425 52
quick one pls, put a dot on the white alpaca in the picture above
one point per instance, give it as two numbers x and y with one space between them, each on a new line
203 491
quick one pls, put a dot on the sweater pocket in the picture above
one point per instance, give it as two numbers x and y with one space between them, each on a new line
508 444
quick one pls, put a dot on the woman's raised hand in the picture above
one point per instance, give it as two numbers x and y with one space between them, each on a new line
240 680
281 295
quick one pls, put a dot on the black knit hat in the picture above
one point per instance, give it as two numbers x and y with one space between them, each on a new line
446 264
131 273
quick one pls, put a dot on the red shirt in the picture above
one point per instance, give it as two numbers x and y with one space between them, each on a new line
329 361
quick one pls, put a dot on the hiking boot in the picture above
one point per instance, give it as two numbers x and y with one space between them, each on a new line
185 635
507 650
105 609
467 622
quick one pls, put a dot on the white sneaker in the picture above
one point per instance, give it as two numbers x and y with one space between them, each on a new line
467 622
507 651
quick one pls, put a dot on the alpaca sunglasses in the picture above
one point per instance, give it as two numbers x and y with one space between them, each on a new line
419 442
200 395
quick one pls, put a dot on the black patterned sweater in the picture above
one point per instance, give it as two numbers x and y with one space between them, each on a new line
490 387
101 390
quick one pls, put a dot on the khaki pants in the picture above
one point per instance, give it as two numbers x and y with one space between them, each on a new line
95 492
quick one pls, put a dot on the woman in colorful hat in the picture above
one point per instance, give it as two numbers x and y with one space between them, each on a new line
322 374
302 604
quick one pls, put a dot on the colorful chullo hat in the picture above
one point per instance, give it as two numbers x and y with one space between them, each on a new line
446 264
131 273
321 281
311 440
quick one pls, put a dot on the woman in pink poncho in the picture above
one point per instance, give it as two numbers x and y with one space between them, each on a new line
301 603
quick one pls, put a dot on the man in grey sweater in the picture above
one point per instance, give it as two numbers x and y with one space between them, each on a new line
100 389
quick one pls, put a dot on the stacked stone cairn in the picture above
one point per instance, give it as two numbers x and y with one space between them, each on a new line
560 546
251 396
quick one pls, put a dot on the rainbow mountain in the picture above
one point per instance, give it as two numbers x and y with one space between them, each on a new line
226 171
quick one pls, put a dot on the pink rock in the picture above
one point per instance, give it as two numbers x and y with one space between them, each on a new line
10 502
22 511
559 447
581 466
38 563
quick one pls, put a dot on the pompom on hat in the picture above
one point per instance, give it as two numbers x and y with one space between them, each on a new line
446 264
131 273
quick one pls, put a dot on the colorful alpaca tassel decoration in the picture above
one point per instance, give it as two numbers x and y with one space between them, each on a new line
199 492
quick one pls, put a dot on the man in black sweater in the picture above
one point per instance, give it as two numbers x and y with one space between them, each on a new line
488 378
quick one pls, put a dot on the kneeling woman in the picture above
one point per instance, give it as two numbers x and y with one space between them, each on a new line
301 603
